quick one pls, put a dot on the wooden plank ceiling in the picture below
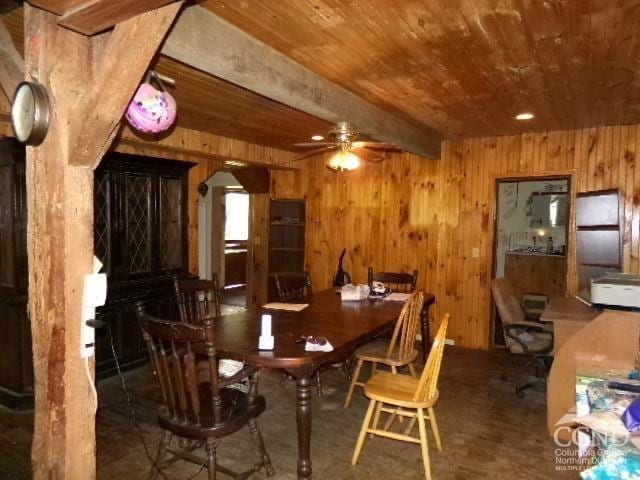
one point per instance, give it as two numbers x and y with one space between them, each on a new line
464 67
209 104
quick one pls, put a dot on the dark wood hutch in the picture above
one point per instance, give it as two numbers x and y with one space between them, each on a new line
140 228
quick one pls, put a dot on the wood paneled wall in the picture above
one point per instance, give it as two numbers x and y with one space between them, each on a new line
409 212
385 214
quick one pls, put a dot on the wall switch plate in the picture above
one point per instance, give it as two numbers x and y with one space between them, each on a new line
475 252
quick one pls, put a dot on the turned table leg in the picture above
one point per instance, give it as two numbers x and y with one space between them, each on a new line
424 329
303 417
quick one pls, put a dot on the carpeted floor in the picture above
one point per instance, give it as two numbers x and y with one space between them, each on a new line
487 432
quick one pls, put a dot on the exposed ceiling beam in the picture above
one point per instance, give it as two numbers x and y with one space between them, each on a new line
56 6
11 63
93 16
105 100
204 41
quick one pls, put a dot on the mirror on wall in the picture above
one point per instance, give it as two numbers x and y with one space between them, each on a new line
548 209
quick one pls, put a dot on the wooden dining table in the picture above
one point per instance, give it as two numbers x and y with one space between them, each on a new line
346 325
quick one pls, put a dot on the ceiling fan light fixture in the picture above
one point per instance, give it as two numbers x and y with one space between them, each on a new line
344 160
317 138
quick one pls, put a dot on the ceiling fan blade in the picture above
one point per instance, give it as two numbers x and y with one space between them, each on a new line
313 153
313 144
368 155
380 145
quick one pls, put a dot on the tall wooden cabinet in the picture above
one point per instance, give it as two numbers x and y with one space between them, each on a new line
16 371
140 235
140 228
286 240
599 240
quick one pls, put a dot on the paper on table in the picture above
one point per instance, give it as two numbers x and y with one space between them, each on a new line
314 347
397 297
292 307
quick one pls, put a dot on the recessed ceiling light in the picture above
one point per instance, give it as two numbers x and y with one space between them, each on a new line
525 116
317 138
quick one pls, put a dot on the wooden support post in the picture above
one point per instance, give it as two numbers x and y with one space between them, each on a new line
60 235
60 249
11 63
257 250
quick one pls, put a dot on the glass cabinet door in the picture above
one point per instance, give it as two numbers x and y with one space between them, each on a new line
102 218
138 196
171 218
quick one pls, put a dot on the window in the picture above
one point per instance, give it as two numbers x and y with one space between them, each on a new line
237 217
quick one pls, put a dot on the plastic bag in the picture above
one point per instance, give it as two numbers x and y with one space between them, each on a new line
353 292
631 416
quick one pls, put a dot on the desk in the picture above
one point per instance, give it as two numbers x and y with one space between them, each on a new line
608 341
568 315
347 325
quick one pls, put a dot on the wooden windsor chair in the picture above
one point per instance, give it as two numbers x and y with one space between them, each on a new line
292 287
405 396
399 352
396 282
201 413
197 300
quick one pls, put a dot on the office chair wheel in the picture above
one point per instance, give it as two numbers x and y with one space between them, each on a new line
519 392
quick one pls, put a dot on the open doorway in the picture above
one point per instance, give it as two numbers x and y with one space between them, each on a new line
233 276
224 234
530 242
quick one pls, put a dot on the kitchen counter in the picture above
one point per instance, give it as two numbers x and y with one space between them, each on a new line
534 254
537 273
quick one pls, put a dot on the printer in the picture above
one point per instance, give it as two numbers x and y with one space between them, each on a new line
616 289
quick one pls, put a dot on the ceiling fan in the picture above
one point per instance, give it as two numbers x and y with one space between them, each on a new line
349 151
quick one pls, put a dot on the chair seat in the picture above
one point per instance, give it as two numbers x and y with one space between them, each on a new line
541 343
376 351
236 413
396 389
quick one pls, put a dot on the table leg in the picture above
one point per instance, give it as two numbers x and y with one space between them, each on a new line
303 417
424 330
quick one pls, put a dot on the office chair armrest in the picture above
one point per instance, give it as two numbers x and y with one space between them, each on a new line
527 327
246 372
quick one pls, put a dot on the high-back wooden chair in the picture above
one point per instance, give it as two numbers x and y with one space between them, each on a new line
398 352
293 286
204 412
396 282
197 299
405 396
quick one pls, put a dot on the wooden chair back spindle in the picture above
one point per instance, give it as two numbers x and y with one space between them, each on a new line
293 286
197 299
174 364
404 334
429 378
396 282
